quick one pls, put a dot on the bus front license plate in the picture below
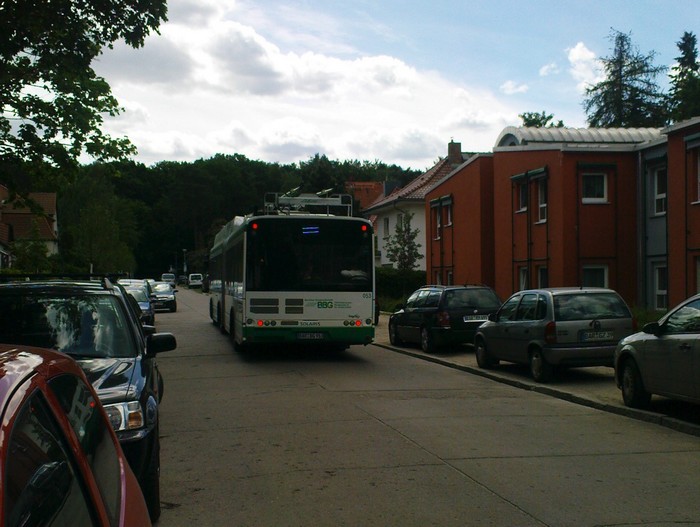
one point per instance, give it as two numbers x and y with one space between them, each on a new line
310 336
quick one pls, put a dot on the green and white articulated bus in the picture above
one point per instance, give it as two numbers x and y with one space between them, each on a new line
296 273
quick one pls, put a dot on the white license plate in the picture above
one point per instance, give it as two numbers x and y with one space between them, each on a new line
471 318
595 336
310 336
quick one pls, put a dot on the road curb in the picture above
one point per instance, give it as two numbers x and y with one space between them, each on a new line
641 415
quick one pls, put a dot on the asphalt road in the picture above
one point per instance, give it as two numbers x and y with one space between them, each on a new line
375 437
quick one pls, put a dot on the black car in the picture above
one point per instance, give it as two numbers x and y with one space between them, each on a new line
164 296
93 322
438 315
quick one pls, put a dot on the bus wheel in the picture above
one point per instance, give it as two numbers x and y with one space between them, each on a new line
222 326
214 320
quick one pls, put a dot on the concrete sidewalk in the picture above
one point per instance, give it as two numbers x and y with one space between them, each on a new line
593 387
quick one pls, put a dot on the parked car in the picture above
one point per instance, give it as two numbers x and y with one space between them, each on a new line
194 280
438 315
663 358
60 460
164 297
557 327
170 278
145 302
93 322
137 282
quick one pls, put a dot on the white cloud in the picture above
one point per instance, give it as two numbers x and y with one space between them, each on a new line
512 87
549 69
222 86
585 68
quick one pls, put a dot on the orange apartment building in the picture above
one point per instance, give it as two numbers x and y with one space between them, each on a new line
683 209
459 214
617 208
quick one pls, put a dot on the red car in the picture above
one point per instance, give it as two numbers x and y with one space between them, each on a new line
60 460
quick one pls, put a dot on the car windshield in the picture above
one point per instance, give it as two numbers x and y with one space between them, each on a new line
82 326
163 288
589 306
471 298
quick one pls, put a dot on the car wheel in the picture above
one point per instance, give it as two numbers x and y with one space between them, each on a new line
174 308
483 358
426 341
394 335
151 480
540 369
633 393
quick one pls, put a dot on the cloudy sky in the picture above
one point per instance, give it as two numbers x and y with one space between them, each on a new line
387 80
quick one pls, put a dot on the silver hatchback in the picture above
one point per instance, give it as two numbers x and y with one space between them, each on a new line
555 327
663 358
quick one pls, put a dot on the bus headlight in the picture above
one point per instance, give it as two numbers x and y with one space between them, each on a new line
125 416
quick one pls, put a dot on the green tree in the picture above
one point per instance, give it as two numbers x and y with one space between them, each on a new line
52 101
401 247
685 80
629 95
31 254
97 228
540 120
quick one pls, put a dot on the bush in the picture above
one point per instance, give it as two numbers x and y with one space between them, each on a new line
393 286
643 316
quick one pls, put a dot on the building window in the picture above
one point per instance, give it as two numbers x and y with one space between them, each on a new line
542 199
522 197
386 227
542 277
594 188
660 191
450 278
448 214
522 278
438 223
436 279
594 276
660 287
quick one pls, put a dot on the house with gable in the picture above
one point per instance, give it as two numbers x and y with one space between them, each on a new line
23 224
389 209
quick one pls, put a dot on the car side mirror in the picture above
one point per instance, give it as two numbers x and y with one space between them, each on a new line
493 317
398 307
652 328
160 342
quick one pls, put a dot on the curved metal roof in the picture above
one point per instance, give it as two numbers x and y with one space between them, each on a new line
525 135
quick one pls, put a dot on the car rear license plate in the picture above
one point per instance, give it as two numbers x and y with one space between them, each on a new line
596 336
310 336
471 318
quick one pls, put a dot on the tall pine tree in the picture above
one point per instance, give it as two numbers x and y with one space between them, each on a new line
685 80
629 95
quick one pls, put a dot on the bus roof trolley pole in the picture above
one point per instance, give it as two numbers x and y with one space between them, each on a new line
282 204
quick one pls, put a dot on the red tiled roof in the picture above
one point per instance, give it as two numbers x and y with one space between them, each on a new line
23 226
417 188
18 223
46 200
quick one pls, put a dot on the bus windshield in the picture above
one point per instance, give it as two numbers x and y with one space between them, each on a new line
308 254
